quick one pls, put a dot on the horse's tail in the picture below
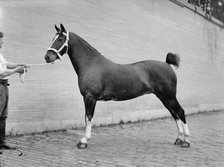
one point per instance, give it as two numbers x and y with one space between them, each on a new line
173 59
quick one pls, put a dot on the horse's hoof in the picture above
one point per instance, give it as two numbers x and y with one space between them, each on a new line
178 142
81 145
185 144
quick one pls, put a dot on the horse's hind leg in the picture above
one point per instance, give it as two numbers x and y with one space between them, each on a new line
181 121
90 104
178 114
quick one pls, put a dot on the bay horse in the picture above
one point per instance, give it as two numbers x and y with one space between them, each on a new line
101 79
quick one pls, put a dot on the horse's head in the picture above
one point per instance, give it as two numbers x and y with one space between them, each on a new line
59 46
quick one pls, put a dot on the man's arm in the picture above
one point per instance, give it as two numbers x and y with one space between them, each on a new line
8 72
11 65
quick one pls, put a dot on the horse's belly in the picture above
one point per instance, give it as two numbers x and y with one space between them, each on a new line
125 92
120 97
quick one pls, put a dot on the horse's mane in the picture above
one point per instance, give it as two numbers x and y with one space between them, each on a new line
86 45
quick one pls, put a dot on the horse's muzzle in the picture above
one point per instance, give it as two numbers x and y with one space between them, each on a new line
50 57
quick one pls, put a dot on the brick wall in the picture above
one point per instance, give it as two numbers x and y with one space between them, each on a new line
124 31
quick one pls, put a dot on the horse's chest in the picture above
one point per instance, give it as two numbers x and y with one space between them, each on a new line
90 84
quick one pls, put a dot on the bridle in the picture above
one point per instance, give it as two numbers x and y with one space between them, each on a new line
62 47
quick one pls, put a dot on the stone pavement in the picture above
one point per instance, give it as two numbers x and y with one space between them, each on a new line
143 144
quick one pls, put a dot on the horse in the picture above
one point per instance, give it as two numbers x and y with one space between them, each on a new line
100 79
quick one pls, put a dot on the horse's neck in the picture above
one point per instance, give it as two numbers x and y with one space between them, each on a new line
80 54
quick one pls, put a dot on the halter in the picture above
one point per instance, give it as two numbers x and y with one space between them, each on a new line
62 47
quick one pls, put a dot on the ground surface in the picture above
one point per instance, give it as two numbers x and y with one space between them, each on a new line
130 145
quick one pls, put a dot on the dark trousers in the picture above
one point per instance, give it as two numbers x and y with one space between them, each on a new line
4 98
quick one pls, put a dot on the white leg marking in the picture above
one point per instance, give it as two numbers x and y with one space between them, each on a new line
88 131
180 129
186 132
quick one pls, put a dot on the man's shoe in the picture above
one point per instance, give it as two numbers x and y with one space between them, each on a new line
7 147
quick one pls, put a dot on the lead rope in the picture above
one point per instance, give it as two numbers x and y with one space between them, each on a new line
22 76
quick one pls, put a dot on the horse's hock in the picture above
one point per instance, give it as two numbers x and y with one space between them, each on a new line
123 31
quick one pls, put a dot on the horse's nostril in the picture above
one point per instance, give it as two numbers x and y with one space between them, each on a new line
47 58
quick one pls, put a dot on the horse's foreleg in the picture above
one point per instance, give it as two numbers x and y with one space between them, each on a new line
180 130
90 104
88 131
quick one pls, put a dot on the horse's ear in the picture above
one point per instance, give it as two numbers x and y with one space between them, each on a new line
62 28
56 28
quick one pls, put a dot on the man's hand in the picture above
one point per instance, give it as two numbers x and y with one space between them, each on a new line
21 69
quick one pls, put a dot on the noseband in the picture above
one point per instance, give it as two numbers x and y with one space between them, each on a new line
62 47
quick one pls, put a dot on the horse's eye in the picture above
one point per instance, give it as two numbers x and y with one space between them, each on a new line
60 40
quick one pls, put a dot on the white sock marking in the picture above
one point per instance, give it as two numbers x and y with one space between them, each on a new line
186 132
88 132
180 129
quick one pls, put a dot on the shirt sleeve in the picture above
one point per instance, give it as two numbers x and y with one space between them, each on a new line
3 66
